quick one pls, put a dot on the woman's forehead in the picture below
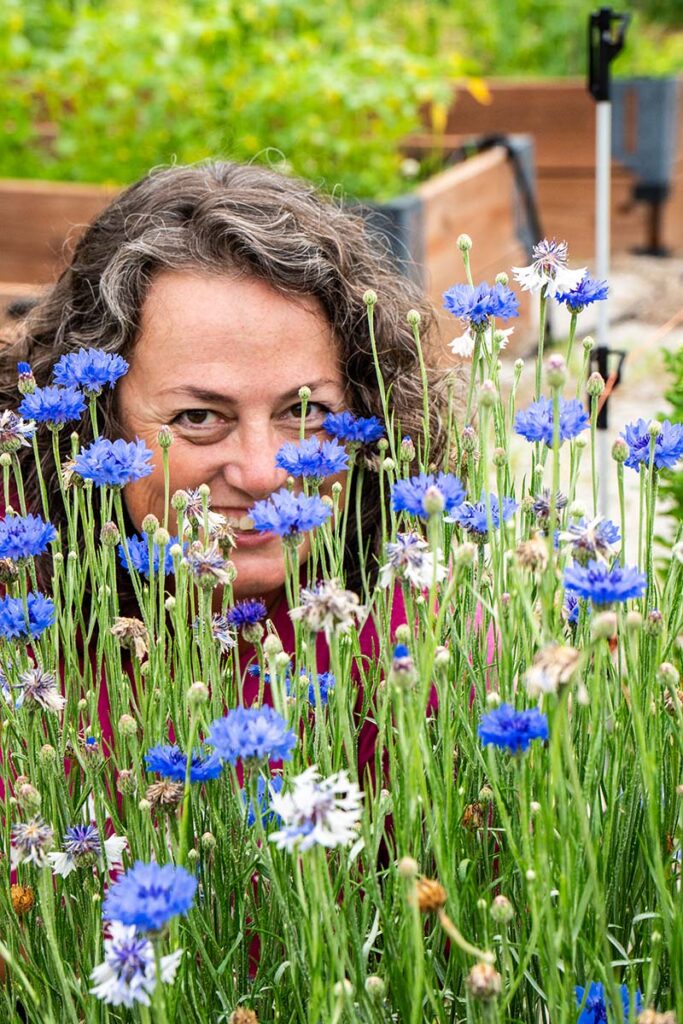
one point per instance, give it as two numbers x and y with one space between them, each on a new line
199 331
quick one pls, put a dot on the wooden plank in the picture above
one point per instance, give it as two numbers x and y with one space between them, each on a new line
40 221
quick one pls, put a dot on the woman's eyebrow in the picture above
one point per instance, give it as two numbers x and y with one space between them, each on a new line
207 395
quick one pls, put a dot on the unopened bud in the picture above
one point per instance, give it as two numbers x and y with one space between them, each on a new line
433 501
304 393
374 986
150 524
198 694
595 385
503 279
502 911
484 982
654 623
165 436
413 317
408 868
488 394
109 535
654 428
127 725
556 370
370 298
464 243
604 626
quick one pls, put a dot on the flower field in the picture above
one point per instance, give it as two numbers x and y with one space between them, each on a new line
456 796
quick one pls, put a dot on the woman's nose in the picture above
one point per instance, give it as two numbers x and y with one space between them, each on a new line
250 462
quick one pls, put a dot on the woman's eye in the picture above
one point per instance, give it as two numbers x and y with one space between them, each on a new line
195 418
314 410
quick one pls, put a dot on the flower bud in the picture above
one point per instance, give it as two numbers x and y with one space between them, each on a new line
484 982
272 645
150 524
370 298
634 620
336 488
305 393
493 699
654 428
28 798
503 279
125 782
144 805
464 554
162 537
407 449
179 501
47 756
208 842
408 868
654 623
502 910
500 457
668 675
374 986
382 444
343 989
193 855
556 370
170 603
176 551
620 450
281 661
488 394
469 439
530 875
127 725
604 626
595 385
198 694
464 243
413 317
485 795
442 657
402 634
587 343
165 437
433 501
388 465
253 632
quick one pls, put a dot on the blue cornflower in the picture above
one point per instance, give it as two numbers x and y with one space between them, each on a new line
585 293
171 762
113 463
312 458
289 514
536 422
264 792
52 405
354 429
91 369
595 1006
471 516
601 585
571 608
149 895
246 613
326 682
478 305
668 445
24 536
138 548
506 727
591 540
252 734
17 621
409 495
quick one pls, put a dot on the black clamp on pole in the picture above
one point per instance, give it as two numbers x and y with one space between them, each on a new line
606 37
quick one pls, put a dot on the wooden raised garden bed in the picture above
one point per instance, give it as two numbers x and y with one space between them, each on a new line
560 118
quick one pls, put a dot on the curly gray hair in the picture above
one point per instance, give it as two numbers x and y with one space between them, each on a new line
220 217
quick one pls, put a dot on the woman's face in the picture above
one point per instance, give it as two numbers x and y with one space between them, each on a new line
221 361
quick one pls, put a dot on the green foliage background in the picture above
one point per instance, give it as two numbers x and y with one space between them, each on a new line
98 90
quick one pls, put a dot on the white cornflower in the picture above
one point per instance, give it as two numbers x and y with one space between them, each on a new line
194 514
329 608
15 432
324 811
549 268
128 973
410 559
83 848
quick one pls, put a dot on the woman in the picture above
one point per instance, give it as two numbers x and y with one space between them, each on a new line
227 288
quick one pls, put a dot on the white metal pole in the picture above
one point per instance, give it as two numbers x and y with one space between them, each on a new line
603 168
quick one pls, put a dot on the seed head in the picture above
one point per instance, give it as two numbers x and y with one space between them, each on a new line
430 895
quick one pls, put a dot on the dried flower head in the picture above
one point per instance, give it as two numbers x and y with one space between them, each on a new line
328 608
473 817
242 1016
553 666
23 899
651 1016
131 634
165 795
430 895
533 554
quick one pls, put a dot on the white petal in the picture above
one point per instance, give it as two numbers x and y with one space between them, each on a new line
169 966
113 848
530 280
565 280
463 345
62 864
